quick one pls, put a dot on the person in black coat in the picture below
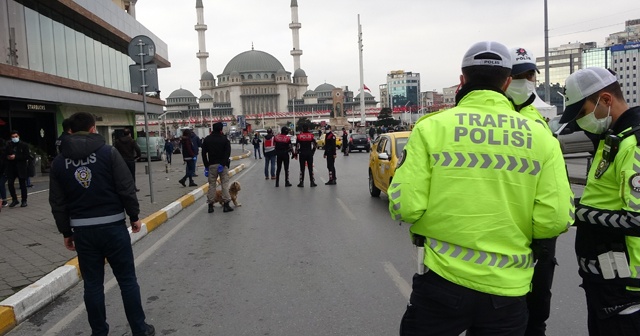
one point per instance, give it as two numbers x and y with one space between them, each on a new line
3 177
17 155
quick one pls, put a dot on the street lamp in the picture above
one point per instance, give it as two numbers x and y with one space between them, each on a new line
405 111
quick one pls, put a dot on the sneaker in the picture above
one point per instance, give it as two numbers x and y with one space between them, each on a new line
24 204
313 184
4 203
273 177
300 185
266 177
181 181
192 184
151 330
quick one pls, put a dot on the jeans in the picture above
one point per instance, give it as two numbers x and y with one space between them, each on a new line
168 154
93 245
270 161
438 307
191 168
132 168
257 153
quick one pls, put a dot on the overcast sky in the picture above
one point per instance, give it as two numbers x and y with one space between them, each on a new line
424 36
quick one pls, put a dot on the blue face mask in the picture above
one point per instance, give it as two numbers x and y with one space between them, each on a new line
15 140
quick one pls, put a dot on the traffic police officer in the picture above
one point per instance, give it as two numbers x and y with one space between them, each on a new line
608 214
305 148
475 264
521 91
330 154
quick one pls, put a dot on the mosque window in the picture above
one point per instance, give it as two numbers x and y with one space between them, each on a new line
258 76
250 77
273 76
242 77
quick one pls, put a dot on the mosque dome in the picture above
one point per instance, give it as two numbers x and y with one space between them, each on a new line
207 76
366 95
205 97
281 72
324 88
309 93
299 73
181 93
234 73
253 61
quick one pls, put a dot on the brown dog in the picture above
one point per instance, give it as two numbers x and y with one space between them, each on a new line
233 192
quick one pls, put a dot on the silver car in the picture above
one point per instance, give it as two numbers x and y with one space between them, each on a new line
572 139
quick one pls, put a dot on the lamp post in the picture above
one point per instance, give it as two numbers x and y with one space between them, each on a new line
405 112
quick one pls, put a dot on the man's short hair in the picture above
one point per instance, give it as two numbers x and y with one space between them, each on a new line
305 127
14 132
127 132
486 75
217 127
66 125
614 89
81 122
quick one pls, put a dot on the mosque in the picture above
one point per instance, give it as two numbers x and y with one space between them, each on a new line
256 87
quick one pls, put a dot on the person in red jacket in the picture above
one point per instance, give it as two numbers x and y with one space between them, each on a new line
283 149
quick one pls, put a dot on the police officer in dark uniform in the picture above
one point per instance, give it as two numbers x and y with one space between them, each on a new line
305 148
283 149
91 193
330 154
345 142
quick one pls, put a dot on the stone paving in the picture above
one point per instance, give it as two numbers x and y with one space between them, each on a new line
30 245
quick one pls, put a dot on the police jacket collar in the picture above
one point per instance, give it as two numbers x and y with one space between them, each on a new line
629 118
80 144
469 87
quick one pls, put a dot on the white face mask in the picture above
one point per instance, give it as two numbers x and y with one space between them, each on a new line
15 140
327 131
594 125
520 90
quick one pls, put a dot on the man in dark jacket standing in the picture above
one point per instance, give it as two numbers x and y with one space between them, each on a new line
90 192
130 152
283 149
17 155
196 143
216 150
330 154
305 148
345 142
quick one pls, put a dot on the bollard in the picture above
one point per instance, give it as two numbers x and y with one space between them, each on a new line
146 170
166 168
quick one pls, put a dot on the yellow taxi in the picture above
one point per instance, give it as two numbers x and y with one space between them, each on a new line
385 154
320 142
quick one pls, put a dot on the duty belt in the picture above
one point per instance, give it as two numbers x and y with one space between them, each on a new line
80 222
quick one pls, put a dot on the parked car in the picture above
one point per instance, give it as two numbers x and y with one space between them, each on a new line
156 147
359 142
571 137
320 142
383 160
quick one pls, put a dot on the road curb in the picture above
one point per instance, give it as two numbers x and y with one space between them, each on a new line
18 307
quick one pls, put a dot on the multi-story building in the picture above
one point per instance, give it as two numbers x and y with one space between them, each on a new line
62 57
597 57
384 95
449 94
625 63
631 33
403 89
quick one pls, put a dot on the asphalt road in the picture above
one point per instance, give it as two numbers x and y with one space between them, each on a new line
289 261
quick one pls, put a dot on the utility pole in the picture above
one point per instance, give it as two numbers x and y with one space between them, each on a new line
547 88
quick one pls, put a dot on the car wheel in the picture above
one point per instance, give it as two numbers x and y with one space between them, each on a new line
368 150
373 190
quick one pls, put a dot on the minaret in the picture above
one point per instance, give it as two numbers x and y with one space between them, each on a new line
202 53
295 29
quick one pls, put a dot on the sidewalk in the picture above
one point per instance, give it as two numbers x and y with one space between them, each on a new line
31 246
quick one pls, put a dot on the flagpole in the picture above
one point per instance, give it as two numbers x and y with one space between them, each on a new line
362 114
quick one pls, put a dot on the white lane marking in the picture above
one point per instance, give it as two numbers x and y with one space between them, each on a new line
346 210
61 326
37 192
402 285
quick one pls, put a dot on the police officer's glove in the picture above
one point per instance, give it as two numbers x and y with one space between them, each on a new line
206 172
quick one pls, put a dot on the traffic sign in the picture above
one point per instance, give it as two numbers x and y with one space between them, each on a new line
224 124
148 51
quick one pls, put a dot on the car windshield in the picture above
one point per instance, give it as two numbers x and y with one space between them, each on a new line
359 136
400 143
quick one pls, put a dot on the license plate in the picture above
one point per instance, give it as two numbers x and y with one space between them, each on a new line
360 147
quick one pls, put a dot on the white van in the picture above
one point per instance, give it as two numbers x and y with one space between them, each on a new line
156 147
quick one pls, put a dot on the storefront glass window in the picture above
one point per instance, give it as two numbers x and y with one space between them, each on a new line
97 47
32 24
17 32
72 58
106 65
91 60
59 45
48 52
81 56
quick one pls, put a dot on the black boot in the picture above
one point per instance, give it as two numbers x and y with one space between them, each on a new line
226 207
191 183
210 210
182 180
313 184
278 181
287 184
24 203
14 203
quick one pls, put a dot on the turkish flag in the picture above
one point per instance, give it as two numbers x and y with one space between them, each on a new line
366 88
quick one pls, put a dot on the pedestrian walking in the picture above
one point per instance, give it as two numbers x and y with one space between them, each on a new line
216 153
3 176
256 146
330 154
474 259
168 150
345 142
17 155
130 152
269 152
521 91
91 192
305 148
189 157
607 243
63 135
283 150
372 133
196 143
